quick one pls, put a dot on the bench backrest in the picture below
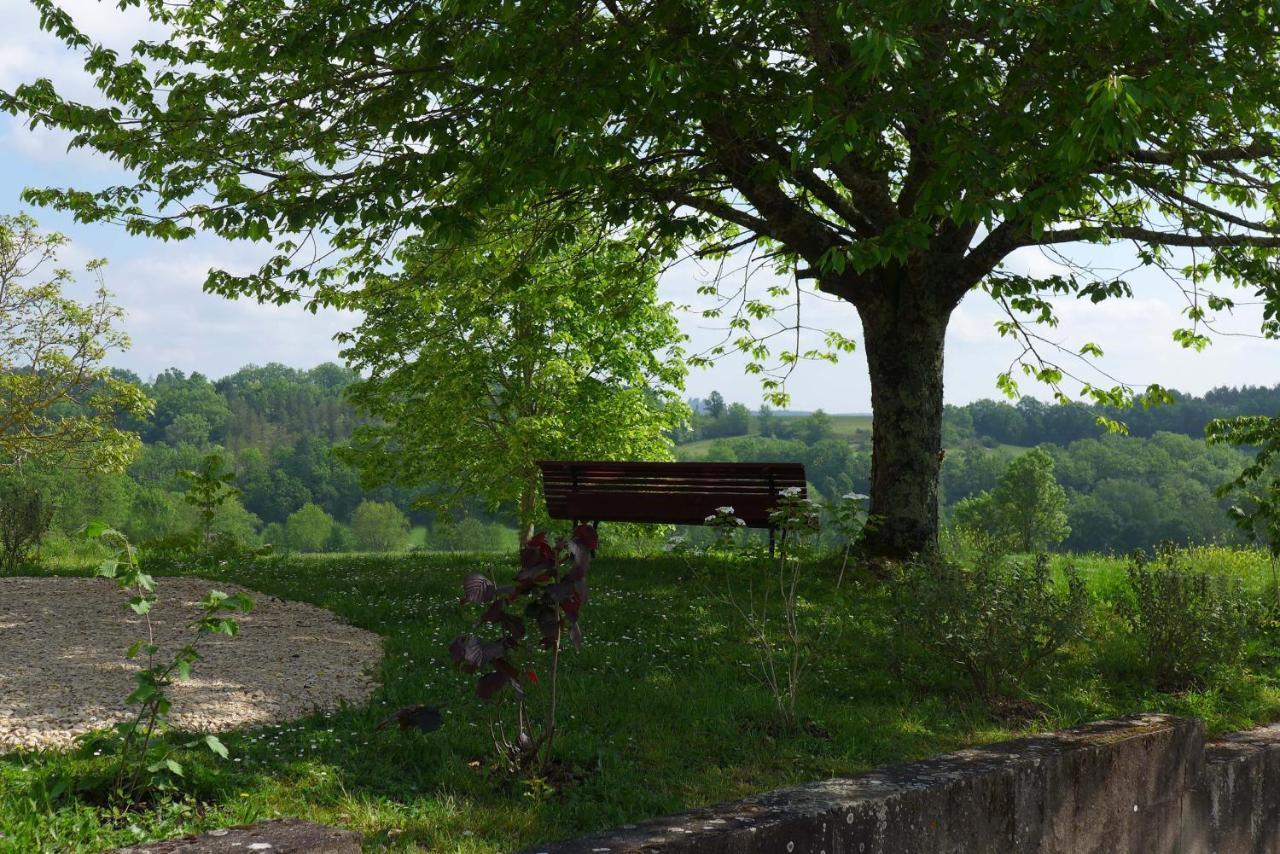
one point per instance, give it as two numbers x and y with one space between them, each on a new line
668 493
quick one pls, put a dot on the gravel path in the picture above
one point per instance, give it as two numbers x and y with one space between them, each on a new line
63 670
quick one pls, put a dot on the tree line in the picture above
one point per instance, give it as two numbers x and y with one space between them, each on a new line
1158 483
276 429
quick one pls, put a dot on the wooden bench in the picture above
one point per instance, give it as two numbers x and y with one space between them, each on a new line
666 493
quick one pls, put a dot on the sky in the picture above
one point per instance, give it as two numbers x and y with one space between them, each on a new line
172 323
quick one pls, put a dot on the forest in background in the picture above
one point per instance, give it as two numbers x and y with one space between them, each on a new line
278 427
1155 484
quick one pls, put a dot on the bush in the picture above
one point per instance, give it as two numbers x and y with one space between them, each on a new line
341 539
25 517
308 528
1186 624
379 526
995 621
472 535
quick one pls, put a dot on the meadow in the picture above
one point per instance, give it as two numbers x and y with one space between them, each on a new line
662 709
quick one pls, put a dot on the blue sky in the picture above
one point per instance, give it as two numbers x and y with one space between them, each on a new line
174 324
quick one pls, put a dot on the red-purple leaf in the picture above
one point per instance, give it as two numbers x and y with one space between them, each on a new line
477 589
561 591
587 535
487 651
458 648
490 684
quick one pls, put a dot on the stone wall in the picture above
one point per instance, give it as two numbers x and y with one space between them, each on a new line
1148 784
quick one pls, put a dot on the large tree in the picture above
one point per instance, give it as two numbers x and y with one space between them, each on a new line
480 362
895 152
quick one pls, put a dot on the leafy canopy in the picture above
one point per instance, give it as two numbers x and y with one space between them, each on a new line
480 361
59 402
863 144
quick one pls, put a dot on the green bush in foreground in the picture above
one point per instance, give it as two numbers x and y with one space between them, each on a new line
1186 624
995 621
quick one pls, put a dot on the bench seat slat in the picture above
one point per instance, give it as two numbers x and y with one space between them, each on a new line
666 493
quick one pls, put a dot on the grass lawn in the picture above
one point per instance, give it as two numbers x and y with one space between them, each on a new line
661 711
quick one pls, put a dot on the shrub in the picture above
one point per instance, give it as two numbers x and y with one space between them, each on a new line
472 535
308 528
379 526
782 639
25 517
546 596
996 621
1186 624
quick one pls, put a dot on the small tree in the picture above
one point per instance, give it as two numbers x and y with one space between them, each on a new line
308 528
379 526
480 362
208 488
548 591
1027 509
58 401
25 517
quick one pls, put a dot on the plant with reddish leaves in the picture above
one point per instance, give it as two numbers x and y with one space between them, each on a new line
544 601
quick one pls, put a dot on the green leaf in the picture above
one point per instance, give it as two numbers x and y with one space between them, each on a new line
216 745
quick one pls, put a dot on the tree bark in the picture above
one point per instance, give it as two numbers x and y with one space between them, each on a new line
904 329
528 506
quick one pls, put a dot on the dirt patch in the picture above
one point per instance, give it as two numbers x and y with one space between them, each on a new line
63 669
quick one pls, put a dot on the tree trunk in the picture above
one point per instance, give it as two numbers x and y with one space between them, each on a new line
904 329
528 506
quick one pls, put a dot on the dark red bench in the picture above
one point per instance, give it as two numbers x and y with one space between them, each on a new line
666 493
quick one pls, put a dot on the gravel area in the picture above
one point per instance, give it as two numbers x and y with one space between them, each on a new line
63 669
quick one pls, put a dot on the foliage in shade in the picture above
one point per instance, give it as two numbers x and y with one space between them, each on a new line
996 622
25 516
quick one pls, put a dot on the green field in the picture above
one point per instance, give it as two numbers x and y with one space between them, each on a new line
843 426
661 710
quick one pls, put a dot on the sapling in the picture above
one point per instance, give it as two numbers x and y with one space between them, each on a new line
144 754
552 584
208 488
783 660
